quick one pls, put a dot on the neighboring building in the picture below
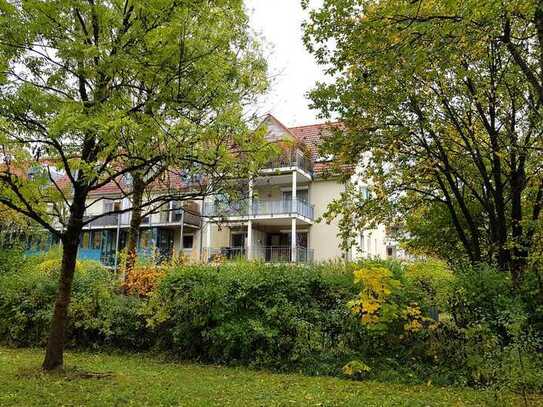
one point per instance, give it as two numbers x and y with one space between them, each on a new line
277 222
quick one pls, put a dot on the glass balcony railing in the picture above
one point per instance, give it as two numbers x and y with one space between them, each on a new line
260 208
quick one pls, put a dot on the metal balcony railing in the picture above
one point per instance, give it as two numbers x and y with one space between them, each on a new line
282 254
267 254
165 218
260 208
295 158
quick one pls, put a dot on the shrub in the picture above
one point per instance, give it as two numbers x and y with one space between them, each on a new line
274 316
97 315
11 260
301 318
429 283
142 279
484 296
356 370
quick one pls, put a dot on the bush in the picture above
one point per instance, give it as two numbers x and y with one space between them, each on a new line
316 319
356 370
484 296
11 260
98 315
275 316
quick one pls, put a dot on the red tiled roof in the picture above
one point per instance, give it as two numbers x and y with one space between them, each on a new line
312 136
172 181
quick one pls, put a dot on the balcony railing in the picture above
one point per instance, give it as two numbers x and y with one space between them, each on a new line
267 254
294 158
165 218
260 208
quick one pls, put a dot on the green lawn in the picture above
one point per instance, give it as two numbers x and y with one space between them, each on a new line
147 381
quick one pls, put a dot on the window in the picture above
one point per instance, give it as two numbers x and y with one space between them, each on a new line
146 239
85 240
177 211
96 240
238 239
301 194
110 206
361 242
188 241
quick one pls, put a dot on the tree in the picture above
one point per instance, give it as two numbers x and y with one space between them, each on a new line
91 91
434 93
13 226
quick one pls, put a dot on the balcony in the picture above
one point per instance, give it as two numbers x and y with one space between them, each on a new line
262 209
291 159
165 219
267 254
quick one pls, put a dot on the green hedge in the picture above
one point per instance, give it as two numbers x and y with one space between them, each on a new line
282 317
98 315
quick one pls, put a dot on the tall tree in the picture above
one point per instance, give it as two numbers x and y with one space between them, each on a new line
432 94
97 89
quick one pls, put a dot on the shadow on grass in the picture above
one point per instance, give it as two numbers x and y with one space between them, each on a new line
68 374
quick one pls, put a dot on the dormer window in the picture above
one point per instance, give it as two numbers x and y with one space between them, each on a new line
128 179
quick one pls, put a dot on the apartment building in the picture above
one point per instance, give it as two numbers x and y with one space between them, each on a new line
279 221
276 221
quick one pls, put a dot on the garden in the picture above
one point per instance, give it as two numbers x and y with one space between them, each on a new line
410 325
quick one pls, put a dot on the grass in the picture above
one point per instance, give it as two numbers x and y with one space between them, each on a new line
143 380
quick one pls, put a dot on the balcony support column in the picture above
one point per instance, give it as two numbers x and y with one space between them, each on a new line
250 223
208 241
117 237
294 211
251 192
294 188
293 241
181 247
250 240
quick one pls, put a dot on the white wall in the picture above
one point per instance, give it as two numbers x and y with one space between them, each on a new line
323 238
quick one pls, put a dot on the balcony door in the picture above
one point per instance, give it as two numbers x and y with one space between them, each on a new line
165 243
301 194
238 240
237 248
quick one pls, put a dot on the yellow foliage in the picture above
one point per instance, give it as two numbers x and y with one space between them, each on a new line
143 279
378 285
380 301
52 266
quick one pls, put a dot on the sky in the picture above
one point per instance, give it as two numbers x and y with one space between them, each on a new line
292 69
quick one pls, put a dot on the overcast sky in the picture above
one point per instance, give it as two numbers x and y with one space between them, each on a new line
293 70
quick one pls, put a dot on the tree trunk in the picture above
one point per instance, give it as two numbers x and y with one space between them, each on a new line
138 188
54 355
520 250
